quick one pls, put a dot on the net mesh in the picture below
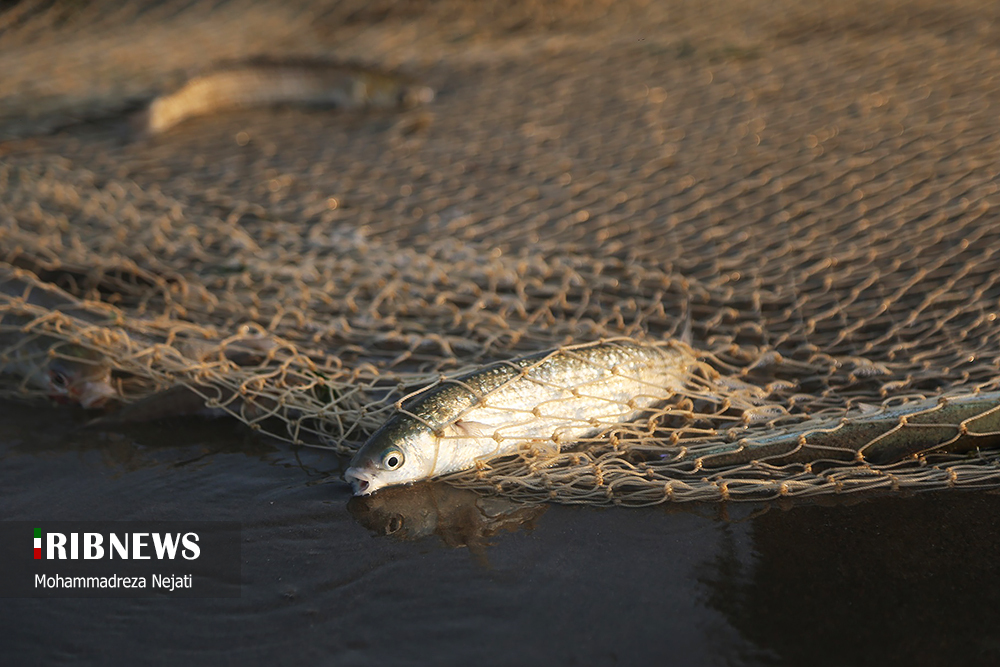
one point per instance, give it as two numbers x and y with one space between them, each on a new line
809 191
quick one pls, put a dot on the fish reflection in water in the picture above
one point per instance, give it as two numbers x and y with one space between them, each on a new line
459 517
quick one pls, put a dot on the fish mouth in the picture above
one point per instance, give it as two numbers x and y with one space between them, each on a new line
96 394
88 395
417 95
363 481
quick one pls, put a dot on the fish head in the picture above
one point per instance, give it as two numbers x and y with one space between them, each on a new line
413 96
386 92
81 377
403 451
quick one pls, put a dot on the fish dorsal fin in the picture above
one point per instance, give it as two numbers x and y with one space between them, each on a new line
463 428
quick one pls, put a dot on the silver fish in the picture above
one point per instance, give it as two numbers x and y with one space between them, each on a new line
261 82
881 436
66 372
551 399
83 377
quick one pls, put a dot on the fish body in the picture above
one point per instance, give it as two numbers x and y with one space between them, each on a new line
82 377
65 372
258 83
880 436
552 399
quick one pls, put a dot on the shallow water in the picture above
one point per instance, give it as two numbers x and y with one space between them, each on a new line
434 574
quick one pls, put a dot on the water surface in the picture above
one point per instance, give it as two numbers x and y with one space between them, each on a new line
435 575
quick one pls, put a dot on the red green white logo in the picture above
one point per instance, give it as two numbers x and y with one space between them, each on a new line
38 543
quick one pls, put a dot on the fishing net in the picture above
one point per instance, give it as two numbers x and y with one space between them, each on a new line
803 194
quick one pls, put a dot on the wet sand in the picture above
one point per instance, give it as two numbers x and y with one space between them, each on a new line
878 582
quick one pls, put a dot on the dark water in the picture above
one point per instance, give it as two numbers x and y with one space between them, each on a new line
431 575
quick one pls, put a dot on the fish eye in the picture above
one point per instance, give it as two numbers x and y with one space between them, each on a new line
394 524
58 379
392 459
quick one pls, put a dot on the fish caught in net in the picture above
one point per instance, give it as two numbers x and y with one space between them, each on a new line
744 257
262 82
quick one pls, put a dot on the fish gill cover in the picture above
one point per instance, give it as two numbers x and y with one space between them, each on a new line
802 199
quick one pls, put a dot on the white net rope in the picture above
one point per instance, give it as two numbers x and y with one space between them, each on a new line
813 197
